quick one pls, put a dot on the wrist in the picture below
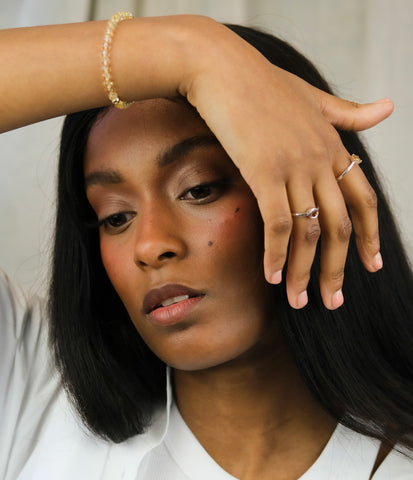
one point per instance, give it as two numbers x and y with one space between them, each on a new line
160 56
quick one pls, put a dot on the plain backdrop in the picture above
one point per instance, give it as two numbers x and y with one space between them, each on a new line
363 47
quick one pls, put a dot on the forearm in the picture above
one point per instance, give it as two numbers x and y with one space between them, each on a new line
274 126
54 70
48 71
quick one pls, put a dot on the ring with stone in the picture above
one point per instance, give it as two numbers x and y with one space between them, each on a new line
355 160
310 213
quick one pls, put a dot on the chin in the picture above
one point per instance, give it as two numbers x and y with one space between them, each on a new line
200 356
192 345
196 364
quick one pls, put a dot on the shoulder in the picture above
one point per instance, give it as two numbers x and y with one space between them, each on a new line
20 311
28 378
24 349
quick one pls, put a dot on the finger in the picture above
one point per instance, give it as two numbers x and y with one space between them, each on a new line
303 244
351 115
276 214
362 203
335 235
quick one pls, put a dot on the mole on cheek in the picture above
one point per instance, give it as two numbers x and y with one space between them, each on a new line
236 210
210 243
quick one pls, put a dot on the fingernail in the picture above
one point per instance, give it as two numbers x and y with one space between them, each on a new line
378 261
337 299
301 300
276 277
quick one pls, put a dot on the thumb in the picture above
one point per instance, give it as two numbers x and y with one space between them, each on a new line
348 115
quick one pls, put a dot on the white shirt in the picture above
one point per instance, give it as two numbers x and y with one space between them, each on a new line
42 438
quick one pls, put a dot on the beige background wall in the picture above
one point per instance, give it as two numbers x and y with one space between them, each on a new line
364 47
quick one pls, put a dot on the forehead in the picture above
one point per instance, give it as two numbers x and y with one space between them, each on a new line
150 125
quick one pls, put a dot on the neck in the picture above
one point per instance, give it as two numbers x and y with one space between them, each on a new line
260 397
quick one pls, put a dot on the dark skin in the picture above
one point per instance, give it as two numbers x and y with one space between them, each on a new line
227 404
164 222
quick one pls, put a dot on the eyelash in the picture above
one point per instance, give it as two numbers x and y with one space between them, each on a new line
105 222
217 187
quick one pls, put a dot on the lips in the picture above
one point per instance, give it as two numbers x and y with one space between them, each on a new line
168 295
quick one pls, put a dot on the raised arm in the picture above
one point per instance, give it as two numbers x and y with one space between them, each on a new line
276 128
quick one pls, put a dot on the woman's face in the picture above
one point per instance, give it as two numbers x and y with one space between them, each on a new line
181 236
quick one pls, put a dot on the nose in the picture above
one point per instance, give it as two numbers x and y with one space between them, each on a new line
159 239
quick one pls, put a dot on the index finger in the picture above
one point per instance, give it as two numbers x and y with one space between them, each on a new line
275 212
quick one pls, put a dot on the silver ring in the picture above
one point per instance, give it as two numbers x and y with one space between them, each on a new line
355 161
310 213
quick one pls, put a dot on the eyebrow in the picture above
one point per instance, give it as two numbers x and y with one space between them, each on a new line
103 177
163 159
184 147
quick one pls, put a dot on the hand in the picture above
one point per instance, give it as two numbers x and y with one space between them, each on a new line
282 139
276 128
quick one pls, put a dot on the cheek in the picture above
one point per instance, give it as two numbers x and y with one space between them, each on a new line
237 232
116 262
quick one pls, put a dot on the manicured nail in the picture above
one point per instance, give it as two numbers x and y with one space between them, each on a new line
276 277
378 261
301 300
337 299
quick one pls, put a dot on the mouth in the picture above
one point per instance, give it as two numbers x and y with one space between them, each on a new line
173 300
168 295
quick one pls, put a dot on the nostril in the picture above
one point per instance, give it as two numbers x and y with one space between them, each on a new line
167 255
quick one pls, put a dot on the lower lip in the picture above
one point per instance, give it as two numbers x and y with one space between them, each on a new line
165 316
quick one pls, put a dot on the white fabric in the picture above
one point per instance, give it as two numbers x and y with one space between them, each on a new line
41 436
347 456
43 439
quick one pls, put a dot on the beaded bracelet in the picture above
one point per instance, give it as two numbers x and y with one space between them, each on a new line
106 63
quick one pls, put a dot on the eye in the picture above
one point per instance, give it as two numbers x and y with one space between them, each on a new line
205 192
199 192
116 223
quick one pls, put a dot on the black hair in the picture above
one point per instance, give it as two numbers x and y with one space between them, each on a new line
111 375
357 360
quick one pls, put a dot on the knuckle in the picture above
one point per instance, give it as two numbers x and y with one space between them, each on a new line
281 225
312 233
277 259
372 242
370 198
336 276
299 279
344 229
320 150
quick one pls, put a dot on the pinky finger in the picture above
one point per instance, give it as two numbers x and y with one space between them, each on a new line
362 204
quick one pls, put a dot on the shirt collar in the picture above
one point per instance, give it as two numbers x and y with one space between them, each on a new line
131 452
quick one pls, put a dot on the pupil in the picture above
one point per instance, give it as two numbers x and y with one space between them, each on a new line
116 220
200 192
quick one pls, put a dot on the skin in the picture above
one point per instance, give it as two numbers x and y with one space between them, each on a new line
233 376
214 240
276 128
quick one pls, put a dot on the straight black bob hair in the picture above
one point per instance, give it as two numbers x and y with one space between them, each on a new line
357 361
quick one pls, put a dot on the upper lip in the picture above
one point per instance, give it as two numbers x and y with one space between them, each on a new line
158 295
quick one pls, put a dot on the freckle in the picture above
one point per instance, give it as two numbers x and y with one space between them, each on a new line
210 243
236 210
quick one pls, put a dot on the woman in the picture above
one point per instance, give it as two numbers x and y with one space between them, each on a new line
181 242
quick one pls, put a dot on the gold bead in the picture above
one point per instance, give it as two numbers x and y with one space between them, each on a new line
106 63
